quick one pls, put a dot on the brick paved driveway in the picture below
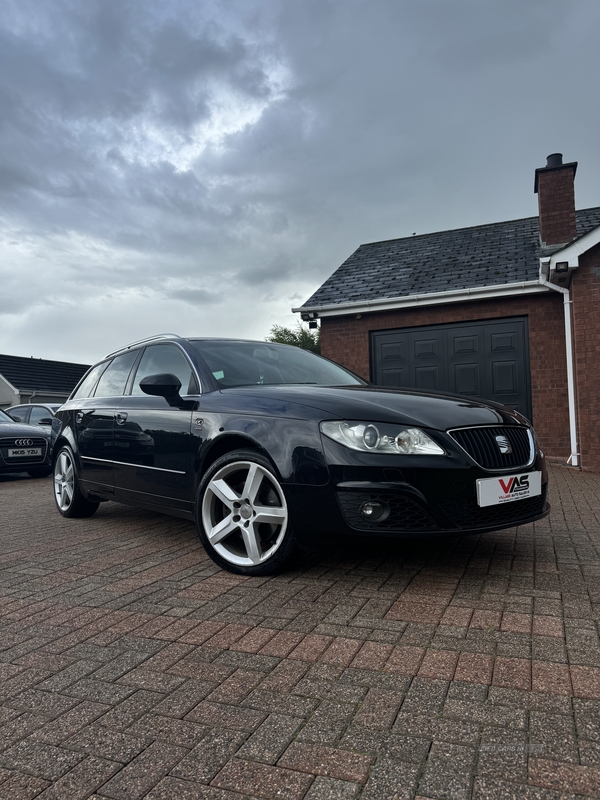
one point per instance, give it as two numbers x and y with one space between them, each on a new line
131 667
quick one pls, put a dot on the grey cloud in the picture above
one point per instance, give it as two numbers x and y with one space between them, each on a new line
248 146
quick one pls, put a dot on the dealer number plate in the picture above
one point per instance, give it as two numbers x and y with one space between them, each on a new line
508 488
24 452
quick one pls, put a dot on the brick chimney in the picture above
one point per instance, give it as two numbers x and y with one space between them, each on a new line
555 188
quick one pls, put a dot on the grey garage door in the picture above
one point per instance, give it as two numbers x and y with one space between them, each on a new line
478 359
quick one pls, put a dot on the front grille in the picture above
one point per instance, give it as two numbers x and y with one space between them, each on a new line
467 514
405 514
481 445
10 443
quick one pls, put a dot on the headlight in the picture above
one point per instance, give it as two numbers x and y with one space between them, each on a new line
385 439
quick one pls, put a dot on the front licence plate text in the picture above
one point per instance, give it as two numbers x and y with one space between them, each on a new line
507 488
24 452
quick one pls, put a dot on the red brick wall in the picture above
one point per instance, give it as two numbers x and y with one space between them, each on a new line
585 293
556 202
346 340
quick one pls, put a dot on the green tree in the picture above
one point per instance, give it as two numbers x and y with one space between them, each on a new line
304 337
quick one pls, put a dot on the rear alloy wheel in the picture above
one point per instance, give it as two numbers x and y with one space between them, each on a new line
242 515
69 500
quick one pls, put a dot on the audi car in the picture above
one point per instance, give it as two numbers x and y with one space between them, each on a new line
24 448
268 448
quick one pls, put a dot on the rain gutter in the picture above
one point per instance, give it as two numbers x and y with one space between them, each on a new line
424 299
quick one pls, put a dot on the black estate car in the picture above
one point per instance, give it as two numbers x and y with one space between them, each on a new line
267 446
24 448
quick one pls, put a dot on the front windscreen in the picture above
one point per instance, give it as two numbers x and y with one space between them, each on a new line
256 363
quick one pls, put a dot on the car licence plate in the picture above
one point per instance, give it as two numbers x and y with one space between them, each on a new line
23 452
508 488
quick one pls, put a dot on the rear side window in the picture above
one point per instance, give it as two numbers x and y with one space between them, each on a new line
86 387
19 414
114 377
161 358
39 414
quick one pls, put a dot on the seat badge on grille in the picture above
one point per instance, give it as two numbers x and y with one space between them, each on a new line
503 445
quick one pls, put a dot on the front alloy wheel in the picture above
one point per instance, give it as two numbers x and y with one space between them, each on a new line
244 515
69 500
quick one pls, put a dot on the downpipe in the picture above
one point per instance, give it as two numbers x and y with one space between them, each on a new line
567 302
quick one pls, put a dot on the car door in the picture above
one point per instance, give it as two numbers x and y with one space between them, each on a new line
94 420
154 449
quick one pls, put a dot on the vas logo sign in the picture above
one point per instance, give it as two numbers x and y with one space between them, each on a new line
514 484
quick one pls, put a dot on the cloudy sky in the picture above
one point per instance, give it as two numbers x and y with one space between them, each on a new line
201 167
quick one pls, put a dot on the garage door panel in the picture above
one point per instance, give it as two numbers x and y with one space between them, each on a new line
427 379
505 377
467 380
465 345
480 359
425 348
393 377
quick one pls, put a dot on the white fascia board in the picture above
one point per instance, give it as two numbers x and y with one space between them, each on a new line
571 252
429 299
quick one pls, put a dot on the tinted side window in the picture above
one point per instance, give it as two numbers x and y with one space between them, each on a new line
160 358
39 413
115 376
86 387
19 414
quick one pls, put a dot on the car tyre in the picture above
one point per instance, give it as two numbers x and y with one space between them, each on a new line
67 494
242 515
39 472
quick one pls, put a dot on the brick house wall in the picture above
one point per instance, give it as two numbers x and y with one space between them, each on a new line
585 293
346 339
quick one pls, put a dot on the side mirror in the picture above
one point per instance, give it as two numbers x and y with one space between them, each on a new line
45 421
164 385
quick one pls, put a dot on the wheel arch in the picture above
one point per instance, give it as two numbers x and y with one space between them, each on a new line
65 438
227 444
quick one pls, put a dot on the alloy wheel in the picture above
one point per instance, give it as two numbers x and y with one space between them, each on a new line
64 481
244 513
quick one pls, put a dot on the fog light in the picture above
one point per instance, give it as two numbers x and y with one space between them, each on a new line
372 511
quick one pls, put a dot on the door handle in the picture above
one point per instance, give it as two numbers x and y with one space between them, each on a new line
121 417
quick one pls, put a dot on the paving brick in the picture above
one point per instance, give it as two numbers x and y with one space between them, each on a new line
391 780
204 761
282 644
379 709
104 743
271 783
341 651
270 739
232 717
39 759
438 665
170 788
84 778
565 777
475 668
167 729
144 772
586 682
332 789
328 761
22 787
311 647
512 673
548 626
448 772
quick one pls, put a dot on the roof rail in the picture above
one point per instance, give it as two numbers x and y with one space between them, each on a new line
143 341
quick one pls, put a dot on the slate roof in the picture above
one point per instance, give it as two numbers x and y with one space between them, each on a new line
485 255
29 374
